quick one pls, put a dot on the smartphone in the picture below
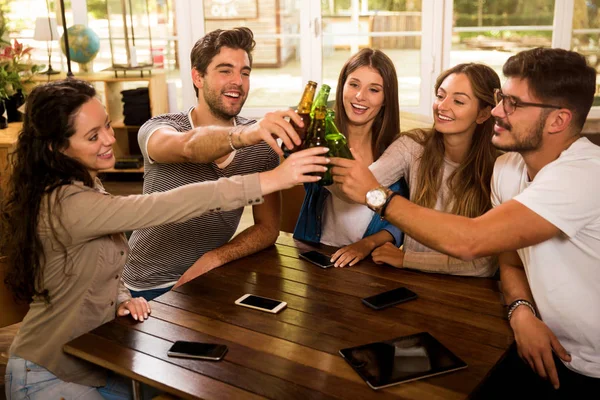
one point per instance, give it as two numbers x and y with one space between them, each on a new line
261 303
317 258
203 351
389 298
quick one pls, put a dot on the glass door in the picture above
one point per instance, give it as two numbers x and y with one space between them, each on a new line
392 27
492 31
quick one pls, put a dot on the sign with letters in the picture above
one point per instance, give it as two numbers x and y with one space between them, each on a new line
230 9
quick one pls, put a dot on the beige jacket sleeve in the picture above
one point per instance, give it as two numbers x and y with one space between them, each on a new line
123 294
395 162
445 264
87 213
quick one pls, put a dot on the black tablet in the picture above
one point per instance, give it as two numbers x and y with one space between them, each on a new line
400 360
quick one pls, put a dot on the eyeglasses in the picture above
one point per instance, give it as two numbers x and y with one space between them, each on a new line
510 104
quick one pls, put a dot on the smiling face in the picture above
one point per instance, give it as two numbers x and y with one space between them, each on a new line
363 96
523 130
225 85
456 109
91 144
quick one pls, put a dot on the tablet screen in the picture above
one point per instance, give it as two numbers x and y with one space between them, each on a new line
401 360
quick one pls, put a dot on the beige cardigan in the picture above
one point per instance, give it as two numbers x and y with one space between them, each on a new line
402 159
85 292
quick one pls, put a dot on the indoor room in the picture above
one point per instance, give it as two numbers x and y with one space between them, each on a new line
172 226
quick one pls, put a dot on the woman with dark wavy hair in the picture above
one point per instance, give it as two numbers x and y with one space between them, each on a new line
61 235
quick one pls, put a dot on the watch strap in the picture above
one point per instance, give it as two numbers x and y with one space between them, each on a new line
391 194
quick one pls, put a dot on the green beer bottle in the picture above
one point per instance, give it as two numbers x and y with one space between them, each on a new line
319 107
303 110
316 133
336 141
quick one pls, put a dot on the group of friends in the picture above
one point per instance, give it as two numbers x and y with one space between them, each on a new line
503 184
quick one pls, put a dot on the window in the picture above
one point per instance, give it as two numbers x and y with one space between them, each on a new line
298 40
586 39
492 31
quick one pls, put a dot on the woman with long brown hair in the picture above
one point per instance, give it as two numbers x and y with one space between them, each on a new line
368 113
62 240
448 167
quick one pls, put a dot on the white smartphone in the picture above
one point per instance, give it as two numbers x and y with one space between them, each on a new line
261 303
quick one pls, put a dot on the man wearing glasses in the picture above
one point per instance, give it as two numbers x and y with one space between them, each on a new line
545 225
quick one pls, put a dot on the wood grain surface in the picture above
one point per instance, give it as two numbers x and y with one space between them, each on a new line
294 354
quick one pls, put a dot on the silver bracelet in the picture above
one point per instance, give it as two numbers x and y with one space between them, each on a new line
229 136
236 129
520 302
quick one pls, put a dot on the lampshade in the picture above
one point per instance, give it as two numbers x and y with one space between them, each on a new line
45 29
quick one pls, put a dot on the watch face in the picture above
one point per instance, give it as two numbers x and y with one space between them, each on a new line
376 198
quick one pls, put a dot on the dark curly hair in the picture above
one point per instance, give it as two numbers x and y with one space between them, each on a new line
210 45
38 168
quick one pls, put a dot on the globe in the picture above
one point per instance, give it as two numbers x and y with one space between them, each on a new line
84 44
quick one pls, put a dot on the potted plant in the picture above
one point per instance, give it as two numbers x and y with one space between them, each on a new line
16 71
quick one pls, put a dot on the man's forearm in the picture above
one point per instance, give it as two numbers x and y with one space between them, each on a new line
514 283
208 143
446 233
249 241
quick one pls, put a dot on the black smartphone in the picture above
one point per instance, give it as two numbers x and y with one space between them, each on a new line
203 351
389 298
317 258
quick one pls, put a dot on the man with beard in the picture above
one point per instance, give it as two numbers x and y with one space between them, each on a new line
208 142
545 226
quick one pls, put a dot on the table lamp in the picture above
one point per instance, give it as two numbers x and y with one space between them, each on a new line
45 30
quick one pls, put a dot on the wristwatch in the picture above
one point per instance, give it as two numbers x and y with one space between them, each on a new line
376 198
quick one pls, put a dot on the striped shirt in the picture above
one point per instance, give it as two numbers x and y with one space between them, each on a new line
161 254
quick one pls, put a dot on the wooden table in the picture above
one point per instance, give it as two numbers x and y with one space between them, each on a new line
294 354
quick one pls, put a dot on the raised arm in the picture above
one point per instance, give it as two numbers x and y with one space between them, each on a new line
208 143
509 226
87 213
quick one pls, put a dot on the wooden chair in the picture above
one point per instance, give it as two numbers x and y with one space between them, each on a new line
291 203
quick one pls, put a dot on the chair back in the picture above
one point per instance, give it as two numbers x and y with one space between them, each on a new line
291 203
12 312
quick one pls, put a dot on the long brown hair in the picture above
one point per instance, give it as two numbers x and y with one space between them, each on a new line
39 167
386 125
469 184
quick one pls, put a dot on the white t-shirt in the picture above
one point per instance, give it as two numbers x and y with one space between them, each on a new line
344 223
563 272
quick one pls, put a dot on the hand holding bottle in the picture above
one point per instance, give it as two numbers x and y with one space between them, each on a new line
295 170
274 125
354 177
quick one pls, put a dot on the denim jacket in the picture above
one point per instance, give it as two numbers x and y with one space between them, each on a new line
309 225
